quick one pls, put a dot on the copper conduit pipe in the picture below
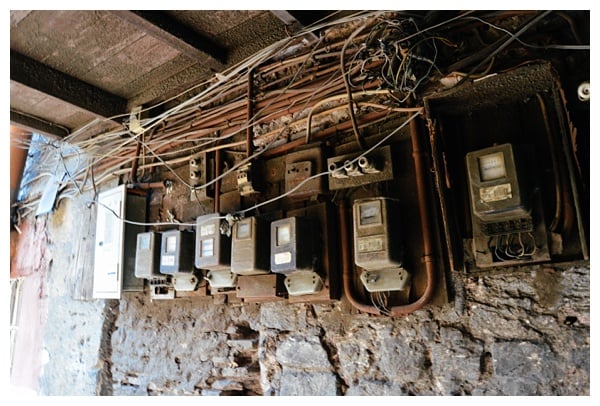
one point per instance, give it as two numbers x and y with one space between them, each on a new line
249 130
218 182
347 268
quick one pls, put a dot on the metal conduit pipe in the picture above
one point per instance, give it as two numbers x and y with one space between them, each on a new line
347 268
218 182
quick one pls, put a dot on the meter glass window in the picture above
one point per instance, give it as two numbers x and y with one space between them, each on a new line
283 234
208 229
492 167
370 213
207 247
144 242
171 245
243 230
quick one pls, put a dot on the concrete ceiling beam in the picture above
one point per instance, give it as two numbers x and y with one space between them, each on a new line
187 41
52 82
37 125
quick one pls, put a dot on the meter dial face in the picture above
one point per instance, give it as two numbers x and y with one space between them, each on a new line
243 230
370 213
492 167
171 245
283 234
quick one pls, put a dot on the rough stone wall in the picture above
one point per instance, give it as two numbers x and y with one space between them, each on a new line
520 333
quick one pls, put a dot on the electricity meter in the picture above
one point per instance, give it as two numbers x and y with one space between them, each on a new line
249 247
213 249
377 242
498 184
377 246
177 252
147 255
292 246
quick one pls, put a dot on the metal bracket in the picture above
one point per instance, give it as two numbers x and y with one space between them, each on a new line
244 180
185 283
221 279
303 283
385 280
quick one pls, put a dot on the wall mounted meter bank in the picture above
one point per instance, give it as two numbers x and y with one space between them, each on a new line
292 245
250 247
499 183
147 255
213 249
177 252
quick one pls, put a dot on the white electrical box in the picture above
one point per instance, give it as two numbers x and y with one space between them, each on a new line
115 246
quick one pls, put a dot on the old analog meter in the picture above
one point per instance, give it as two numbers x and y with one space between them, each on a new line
177 252
378 245
147 255
250 247
293 253
498 183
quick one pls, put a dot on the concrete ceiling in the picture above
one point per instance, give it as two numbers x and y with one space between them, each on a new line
69 68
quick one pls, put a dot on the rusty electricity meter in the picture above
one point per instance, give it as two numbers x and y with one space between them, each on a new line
292 245
177 252
213 249
147 255
499 187
250 247
293 253
378 245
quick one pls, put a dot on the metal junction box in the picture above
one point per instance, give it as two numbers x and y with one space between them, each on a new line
213 249
147 255
292 245
177 252
250 247
377 238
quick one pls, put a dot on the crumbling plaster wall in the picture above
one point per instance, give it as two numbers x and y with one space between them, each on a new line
522 333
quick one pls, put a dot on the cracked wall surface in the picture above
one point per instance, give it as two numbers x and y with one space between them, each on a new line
507 337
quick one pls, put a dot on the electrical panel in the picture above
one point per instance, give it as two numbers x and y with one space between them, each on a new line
147 255
292 246
213 249
177 252
249 247
378 245
115 245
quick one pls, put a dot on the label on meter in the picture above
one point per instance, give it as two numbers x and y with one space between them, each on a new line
495 193
370 244
167 260
283 258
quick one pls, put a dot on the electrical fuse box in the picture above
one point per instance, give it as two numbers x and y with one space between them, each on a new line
147 255
177 252
292 245
249 247
213 249
377 236
498 183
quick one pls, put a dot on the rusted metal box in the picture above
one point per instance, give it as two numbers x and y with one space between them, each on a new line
523 107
